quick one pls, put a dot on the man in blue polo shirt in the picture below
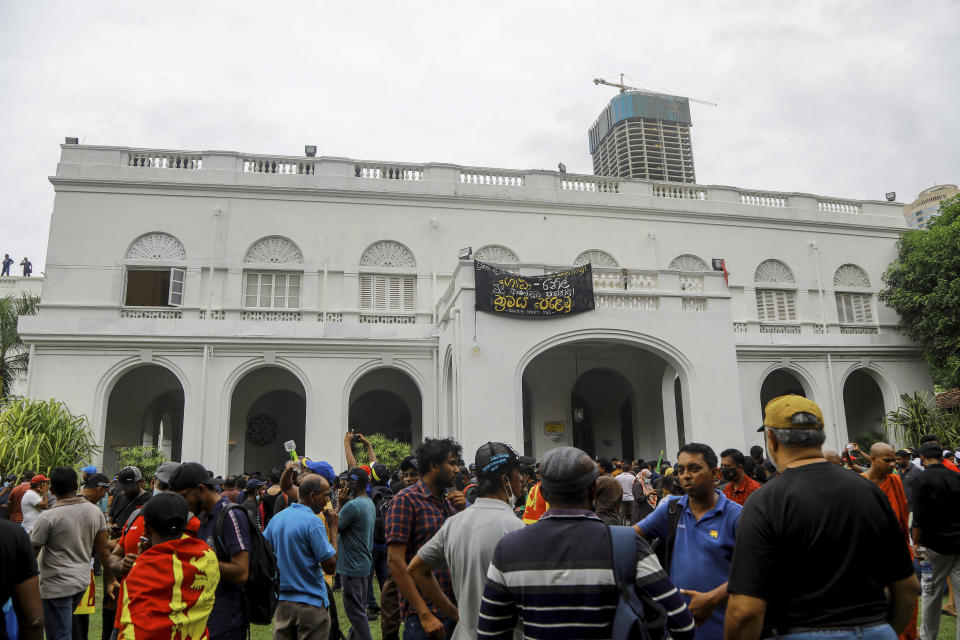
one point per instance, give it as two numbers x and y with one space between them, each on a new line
300 543
702 549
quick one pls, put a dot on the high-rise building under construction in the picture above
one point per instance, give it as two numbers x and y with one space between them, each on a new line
643 135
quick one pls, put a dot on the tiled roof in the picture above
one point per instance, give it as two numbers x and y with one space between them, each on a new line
949 399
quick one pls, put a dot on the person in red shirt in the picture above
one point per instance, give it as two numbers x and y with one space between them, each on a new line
14 513
739 486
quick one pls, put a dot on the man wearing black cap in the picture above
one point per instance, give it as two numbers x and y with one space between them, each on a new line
95 487
132 496
558 572
357 517
936 531
228 620
466 540
153 589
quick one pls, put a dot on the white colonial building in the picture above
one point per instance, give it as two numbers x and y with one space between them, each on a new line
217 304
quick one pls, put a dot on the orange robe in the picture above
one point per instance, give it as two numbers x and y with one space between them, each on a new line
892 487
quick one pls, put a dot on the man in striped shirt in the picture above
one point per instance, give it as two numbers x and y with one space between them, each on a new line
557 574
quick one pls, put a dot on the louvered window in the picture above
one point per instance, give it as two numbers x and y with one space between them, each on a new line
387 294
776 305
268 290
854 308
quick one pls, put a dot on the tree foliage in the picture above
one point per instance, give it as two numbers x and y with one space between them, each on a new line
923 286
918 415
147 459
389 452
41 435
14 355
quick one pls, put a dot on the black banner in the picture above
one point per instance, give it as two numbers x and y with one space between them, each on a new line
553 294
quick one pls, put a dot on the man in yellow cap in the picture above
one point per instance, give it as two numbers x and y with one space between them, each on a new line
817 546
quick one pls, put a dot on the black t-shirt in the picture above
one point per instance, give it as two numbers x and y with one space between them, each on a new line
17 562
819 544
936 508
123 506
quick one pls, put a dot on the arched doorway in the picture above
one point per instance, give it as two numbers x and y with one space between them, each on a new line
268 407
863 405
779 382
145 408
606 397
387 401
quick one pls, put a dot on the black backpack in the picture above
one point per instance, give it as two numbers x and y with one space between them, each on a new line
262 589
638 617
664 546
381 497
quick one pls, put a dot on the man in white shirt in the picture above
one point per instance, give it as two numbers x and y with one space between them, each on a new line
34 501
626 479
466 541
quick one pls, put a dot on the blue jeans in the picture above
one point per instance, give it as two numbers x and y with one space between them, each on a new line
413 630
872 632
58 616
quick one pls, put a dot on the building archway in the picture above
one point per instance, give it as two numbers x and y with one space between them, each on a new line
779 382
604 396
268 406
387 401
863 405
144 408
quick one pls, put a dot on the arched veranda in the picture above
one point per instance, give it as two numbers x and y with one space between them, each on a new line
387 401
863 406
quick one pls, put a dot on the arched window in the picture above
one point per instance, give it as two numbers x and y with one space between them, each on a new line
854 305
597 258
776 293
155 271
388 283
688 262
495 254
272 274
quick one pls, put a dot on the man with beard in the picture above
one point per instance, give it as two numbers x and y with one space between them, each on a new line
414 516
739 484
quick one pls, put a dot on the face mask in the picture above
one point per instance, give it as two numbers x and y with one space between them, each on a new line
511 497
728 474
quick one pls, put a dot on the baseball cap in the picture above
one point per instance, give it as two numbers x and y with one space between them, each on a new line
188 475
253 484
779 413
322 468
410 462
931 450
127 477
97 480
39 478
560 471
89 469
356 474
166 512
379 472
493 457
165 470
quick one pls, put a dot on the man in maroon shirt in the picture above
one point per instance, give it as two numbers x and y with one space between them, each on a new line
14 513
739 486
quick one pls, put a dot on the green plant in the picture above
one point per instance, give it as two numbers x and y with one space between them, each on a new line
918 415
870 438
147 459
41 435
389 452
14 355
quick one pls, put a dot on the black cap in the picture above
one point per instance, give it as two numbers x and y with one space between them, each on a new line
410 462
492 458
356 474
166 512
253 484
97 480
128 477
931 451
189 475
379 473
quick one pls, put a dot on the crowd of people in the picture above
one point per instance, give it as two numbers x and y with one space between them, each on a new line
7 262
790 541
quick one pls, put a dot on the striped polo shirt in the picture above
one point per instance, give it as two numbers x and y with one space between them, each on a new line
557 575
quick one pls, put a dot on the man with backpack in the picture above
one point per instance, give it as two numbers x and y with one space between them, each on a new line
228 619
355 548
381 495
562 573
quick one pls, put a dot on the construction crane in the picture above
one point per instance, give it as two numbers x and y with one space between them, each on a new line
624 88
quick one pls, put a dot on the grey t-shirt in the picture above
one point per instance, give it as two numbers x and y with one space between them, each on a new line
465 543
66 532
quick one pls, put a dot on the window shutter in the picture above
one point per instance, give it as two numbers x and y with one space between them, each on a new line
409 294
175 296
854 308
366 293
775 305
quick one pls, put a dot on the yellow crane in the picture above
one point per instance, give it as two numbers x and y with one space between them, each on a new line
624 88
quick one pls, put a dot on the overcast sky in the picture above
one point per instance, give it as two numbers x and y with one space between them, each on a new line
843 98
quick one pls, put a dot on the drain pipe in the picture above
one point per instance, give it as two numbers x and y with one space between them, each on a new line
823 323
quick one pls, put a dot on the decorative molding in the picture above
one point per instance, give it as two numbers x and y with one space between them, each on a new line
694 304
274 249
775 272
596 258
262 430
627 303
387 253
850 275
271 316
779 328
688 262
496 254
152 314
386 319
157 246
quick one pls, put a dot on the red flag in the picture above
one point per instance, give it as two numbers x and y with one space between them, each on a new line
726 275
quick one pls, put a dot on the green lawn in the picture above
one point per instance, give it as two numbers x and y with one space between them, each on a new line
948 624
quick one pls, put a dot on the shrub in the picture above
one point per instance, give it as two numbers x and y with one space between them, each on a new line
41 435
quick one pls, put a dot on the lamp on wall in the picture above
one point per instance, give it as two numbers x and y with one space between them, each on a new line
578 414
71 140
310 150
891 196
465 253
